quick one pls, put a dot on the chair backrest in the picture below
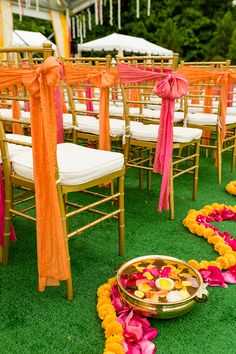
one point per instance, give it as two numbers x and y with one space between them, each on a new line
203 98
140 103
207 64
15 57
83 96
25 56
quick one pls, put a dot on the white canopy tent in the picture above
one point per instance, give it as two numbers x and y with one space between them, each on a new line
31 39
123 43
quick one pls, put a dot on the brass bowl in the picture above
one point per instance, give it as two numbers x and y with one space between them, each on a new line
157 309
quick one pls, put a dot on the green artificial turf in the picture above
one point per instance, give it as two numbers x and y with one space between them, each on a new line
33 322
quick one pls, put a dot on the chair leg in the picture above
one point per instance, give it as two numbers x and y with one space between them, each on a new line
196 170
149 172
69 284
171 197
219 158
7 222
141 171
234 151
121 219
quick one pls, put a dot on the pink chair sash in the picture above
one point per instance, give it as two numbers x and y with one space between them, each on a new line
169 87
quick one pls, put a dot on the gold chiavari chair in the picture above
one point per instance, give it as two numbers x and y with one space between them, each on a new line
79 170
203 110
142 135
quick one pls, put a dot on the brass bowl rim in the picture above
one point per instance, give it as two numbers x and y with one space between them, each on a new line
168 304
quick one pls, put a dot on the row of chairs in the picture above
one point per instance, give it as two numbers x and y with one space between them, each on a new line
134 123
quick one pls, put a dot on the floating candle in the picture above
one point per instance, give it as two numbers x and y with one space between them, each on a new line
173 296
165 283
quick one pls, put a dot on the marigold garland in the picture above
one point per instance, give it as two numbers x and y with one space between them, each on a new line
231 187
120 339
198 222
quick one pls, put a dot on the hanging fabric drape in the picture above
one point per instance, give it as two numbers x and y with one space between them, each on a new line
102 78
62 37
223 77
169 87
6 24
53 263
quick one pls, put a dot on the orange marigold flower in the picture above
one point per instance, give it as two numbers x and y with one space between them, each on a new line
103 300
116 348
223 261
208 232
203 264
231 258
108 352
211 239
200 230
217 239
104 289
113 328
192 228
215 264
193 263
224 249
110 317
112 281
104 309
117 338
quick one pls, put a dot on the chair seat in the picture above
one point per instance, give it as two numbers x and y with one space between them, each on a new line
7 113
14 149
77 164
207 119
231 111
89 124
149 132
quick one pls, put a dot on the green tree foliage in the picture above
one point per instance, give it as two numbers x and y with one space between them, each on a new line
198 30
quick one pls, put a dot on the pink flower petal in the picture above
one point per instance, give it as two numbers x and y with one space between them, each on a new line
165 272
147 347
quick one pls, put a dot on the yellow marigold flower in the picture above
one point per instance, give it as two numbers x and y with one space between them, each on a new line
112 281
113 328
223 261
214 264
192 228
104 289
224 249
207 233
108 352
231 258
103 300
117 338
219 245
104 309
210 239
190 221
217 239
110 317
200 230
203 264
193 263
116 348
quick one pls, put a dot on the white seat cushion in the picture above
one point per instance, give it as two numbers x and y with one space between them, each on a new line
149 132
207 119
14 149
88 124
231 111
7 113
77 164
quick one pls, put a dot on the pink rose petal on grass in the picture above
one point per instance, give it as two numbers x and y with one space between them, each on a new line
213 276
230 275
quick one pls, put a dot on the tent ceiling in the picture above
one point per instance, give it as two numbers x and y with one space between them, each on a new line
59 5
121 42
